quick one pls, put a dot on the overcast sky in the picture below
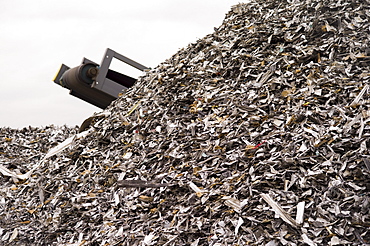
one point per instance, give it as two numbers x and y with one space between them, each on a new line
36 37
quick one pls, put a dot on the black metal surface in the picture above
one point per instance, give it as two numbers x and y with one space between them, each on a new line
112 85
79 80
121 79
94 97
63 68
96 84
77 77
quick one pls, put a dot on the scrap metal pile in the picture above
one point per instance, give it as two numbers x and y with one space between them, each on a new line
256 134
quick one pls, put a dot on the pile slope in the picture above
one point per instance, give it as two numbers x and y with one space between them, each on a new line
255 134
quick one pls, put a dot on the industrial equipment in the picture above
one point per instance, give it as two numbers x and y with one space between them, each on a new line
94 83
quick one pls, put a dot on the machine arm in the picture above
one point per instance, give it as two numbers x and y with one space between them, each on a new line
96 84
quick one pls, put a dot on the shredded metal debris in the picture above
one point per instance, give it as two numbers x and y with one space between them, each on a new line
256 134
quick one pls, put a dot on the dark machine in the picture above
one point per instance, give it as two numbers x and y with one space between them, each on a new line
94 83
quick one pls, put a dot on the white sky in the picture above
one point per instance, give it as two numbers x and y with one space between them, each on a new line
36 37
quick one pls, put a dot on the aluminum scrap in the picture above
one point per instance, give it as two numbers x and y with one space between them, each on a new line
224 143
